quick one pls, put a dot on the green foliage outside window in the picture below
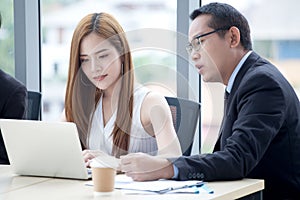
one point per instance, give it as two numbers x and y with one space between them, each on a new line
7 37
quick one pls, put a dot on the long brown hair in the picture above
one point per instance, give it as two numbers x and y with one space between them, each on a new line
82 96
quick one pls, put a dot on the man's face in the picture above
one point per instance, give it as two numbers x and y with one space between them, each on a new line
210 59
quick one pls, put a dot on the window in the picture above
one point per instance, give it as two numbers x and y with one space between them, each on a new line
7 37
143 21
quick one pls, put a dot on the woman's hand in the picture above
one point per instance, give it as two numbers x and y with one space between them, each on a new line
88 155
101 158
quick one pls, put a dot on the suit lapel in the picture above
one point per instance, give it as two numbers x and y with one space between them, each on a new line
253 57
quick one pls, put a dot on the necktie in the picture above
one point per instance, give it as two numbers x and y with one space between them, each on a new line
226 94
218 143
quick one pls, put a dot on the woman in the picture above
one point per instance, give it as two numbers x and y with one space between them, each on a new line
113 114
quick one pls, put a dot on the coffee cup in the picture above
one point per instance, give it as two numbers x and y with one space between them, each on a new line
103 178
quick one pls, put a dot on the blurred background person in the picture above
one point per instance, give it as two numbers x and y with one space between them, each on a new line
12 103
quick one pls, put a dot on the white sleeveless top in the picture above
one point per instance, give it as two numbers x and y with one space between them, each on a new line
100 137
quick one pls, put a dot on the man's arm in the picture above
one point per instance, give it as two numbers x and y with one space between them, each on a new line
256 113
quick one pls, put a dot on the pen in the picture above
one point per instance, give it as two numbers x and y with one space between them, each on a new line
196 190
207 189
199 184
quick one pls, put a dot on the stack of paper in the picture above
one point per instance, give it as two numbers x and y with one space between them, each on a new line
128 186
157 187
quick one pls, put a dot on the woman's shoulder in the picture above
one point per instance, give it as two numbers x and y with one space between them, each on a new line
149 97
154 98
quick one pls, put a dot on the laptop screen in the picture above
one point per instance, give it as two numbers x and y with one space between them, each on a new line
40 148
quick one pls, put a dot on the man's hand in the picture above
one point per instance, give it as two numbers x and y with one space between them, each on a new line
143 167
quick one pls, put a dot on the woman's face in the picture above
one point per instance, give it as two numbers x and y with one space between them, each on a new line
100 61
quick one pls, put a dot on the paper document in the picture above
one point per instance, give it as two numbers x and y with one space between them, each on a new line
128 186
160 187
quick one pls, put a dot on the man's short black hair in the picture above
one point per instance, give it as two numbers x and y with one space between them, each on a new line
224 15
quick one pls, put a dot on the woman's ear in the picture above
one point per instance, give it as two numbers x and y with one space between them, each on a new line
235 36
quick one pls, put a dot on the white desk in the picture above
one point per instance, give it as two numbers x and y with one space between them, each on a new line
14 187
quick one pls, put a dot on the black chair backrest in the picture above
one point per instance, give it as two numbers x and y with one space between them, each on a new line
33 105
185 114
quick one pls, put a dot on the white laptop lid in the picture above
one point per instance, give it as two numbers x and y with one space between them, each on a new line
40 148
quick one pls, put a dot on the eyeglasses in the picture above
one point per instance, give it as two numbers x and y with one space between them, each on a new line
196 42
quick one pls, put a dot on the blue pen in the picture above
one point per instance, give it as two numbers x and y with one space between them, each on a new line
199 184
207 189
196 190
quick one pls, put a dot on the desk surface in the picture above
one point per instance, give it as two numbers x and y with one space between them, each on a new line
22 187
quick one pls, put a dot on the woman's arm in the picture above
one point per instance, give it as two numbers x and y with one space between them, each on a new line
157 120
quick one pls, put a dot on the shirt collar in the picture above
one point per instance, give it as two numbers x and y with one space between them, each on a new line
235 71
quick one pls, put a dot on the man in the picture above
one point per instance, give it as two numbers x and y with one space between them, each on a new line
12 104
260 133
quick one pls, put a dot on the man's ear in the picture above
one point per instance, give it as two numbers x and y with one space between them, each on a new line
235 36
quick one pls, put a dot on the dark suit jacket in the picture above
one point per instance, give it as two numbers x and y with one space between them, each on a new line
260 137
12 105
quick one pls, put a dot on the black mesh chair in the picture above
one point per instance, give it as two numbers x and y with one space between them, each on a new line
33 105
185 114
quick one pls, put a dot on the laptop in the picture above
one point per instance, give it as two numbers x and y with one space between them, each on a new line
40 148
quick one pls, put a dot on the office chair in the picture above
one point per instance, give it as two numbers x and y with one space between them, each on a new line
185 115
33 105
